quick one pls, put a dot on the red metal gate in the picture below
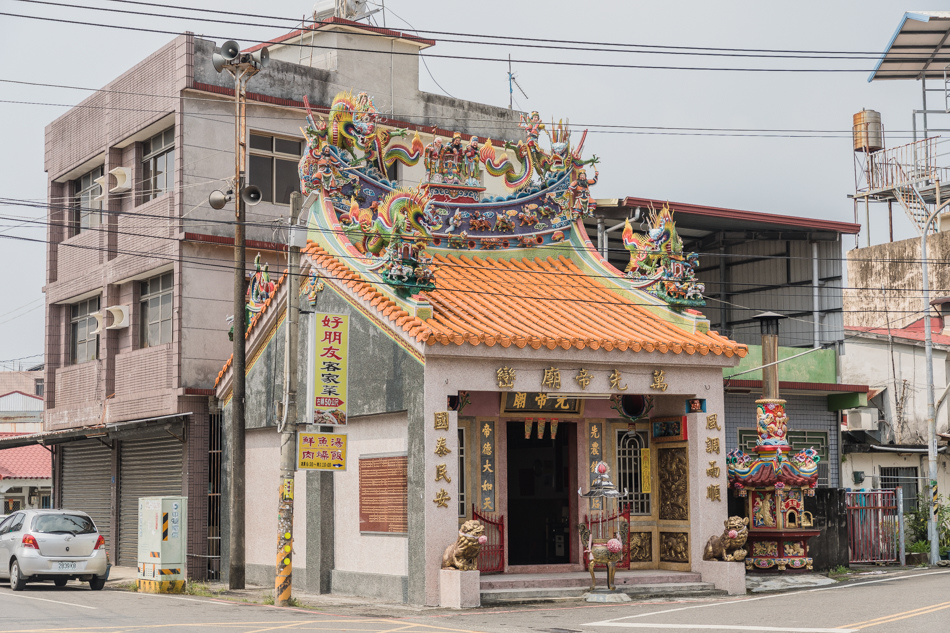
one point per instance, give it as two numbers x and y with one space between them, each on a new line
874 528
491 558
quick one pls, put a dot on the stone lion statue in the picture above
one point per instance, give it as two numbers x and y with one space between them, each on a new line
729 546
463 553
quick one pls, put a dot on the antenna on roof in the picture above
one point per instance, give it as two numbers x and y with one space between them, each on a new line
512 82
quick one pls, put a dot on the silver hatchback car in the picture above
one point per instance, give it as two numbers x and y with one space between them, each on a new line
57 545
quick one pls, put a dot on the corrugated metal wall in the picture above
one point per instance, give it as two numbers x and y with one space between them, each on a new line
805 413
147 468
775 275
87 482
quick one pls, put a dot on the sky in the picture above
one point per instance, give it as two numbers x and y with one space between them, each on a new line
801 174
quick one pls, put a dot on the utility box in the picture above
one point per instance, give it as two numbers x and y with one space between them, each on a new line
163 544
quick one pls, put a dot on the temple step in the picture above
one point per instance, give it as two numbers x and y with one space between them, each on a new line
519 588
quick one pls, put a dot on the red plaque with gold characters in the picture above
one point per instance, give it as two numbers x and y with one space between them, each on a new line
384 494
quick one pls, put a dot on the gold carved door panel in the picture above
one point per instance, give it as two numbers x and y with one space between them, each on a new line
672 528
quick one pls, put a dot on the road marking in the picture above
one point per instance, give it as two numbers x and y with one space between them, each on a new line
69 604
903 615
768 597
721 627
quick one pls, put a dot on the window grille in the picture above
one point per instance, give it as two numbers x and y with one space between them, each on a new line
156 311
905 478
630 472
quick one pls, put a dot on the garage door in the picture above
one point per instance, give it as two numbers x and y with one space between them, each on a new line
87 481
147 468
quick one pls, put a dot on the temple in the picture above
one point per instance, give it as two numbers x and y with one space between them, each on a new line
494 359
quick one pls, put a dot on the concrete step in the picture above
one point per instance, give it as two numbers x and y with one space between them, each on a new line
582 579
635 591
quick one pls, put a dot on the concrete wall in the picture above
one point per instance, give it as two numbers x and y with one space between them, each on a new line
820 366
870 465
867 360
895 266
24 381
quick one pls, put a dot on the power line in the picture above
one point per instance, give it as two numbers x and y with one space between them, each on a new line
874 55
540 62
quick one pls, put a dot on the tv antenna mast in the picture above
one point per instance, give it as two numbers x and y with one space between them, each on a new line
512 82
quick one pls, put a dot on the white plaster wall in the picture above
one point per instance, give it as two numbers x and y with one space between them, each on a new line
262 466
867 361
870 464
379 434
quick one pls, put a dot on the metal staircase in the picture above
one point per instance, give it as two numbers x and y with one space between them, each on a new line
909 197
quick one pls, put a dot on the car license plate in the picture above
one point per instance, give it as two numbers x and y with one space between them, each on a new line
65 566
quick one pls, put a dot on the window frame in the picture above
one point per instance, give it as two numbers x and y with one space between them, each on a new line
75 321
273 155
150 158
147 294
86 189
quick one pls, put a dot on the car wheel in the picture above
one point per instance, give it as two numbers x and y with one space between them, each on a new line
17 582
60 582
97 583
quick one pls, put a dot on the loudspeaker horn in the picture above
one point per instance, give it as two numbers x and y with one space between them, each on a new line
251 195
261 57
218 199
230 50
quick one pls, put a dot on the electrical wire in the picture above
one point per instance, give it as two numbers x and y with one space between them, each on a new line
539 62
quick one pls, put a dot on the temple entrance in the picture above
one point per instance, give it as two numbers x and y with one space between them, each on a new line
541 495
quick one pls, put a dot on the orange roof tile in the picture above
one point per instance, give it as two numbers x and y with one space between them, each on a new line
549 302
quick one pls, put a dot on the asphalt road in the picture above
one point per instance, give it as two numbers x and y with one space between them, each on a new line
918 601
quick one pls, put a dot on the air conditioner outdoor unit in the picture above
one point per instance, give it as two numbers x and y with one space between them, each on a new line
862 421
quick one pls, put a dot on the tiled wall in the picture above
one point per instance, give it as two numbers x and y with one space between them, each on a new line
805 413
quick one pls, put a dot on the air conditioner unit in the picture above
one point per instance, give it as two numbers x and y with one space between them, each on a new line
120 317
862 420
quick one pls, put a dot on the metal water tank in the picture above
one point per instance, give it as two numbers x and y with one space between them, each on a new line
867 131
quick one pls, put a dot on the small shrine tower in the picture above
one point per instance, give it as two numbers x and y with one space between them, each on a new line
774 482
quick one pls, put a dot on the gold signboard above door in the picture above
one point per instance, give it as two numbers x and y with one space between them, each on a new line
519 402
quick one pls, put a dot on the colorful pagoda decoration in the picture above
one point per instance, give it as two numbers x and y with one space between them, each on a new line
391 231
774 481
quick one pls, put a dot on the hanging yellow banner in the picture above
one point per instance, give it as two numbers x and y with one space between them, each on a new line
331 338
645 474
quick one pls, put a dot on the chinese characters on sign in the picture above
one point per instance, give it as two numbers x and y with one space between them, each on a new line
506 377
713 491
529 402
442 498
659 380
384 494
486 475
552 378
331 338
321 451
595 438
583 378
615 379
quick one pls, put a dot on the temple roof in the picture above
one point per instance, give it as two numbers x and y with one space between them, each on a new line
548 301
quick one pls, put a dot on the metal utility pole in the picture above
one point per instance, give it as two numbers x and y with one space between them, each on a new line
288 423
242 67
931 409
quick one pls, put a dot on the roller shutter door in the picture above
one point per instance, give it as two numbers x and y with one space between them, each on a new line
147 468
87 482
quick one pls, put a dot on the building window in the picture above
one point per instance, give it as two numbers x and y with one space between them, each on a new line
86 211
272 166
83 344
38 387
158 165
633 471
46 501
461 476
156 311
904 478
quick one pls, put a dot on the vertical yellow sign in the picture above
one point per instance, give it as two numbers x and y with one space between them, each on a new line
331 338
646 485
